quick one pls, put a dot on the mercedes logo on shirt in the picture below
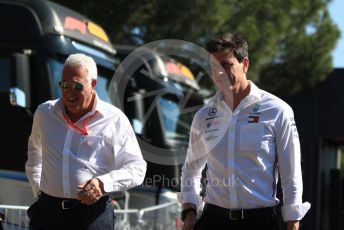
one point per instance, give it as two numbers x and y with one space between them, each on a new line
212 112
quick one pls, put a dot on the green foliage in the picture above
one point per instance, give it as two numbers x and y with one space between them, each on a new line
290 41
304 56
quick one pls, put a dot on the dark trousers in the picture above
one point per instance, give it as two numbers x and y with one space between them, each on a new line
48 213
211 219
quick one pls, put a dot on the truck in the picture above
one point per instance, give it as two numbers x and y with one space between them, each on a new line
37 36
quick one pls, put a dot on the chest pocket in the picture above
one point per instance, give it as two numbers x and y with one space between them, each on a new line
251 137
89 147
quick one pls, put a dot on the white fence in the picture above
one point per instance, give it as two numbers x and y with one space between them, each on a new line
159 217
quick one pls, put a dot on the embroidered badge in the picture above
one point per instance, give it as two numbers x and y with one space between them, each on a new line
212 112
256 108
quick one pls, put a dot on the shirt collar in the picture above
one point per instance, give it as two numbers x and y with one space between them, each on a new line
98 106
254 95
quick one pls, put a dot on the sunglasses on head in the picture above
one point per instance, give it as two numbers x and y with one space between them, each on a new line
64 85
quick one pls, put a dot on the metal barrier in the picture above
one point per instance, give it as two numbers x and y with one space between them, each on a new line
164 216
160 217
14 217
126 219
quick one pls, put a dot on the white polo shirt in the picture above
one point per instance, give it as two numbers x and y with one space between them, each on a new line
62 157
244 149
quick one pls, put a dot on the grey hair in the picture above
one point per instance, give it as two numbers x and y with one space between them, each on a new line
84 61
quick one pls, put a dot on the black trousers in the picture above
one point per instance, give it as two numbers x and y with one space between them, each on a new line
215 219
48 213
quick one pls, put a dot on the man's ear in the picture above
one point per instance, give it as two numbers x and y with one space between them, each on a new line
246 64
94 83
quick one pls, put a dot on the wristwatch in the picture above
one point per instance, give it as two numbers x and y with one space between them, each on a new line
186 211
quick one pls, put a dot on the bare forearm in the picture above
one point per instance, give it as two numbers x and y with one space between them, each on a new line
293 225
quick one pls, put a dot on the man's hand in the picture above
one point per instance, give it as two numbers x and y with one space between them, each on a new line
293 225
190 218
190 221
90 192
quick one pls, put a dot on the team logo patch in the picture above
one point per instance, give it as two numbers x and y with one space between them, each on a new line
212 112
256 108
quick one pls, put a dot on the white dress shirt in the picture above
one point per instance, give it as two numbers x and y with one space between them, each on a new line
244 149
60 158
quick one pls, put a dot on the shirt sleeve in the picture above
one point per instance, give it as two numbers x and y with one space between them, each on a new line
33 166
289 161
130 168
192 169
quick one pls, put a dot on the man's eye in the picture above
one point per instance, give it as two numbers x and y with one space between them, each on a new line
226 65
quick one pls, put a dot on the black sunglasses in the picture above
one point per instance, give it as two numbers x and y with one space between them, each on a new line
64 85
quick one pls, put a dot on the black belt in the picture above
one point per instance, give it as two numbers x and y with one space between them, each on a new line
242 214
67 203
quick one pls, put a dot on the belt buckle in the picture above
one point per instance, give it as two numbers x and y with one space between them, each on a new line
63 205
233 217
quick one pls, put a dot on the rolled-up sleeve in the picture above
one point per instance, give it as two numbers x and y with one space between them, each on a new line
130 168
289 161
192 169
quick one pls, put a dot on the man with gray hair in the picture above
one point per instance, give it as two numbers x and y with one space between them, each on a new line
80 150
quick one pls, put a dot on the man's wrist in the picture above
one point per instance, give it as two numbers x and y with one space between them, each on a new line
189 205
186 211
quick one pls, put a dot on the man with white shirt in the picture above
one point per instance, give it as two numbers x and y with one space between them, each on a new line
80 150
246 136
